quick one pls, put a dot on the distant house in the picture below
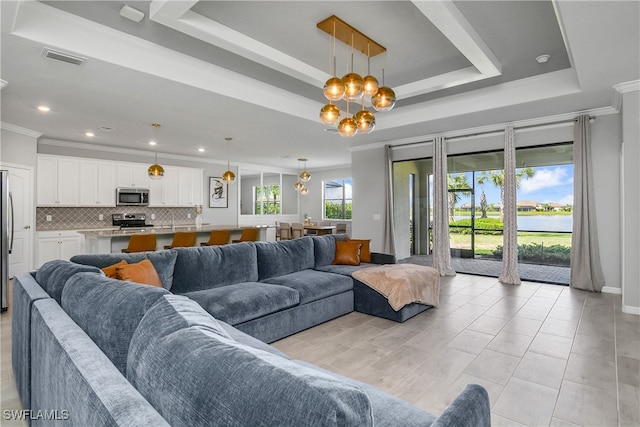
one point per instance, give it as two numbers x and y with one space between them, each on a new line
527 206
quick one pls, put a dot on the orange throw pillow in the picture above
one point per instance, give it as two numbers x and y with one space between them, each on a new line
110 270
365 251
347 253
142 272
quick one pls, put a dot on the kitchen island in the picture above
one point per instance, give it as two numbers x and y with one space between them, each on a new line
114 240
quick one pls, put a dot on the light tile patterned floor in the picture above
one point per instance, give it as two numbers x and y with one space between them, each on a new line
547 354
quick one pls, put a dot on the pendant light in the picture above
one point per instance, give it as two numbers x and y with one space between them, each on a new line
156 171
353 82
304 176
228 176
347 127
385 98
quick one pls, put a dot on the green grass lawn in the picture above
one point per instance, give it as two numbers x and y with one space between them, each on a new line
484 244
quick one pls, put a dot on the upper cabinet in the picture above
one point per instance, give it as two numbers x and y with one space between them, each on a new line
57 182
70 181
97 183
132 175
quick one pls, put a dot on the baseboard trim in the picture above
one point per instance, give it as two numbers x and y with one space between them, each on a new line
612 290
629 309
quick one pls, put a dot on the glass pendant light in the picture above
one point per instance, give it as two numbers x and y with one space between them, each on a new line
298 185
155 171
365 121
353 82
370 82
334 87
330 114
347 127
385 98
228 176
304 190
304 176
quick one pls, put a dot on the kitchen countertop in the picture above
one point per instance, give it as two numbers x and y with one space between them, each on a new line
161 230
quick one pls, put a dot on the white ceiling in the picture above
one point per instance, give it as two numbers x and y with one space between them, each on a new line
253 71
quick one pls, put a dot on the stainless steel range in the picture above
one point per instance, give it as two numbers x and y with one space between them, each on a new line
130 220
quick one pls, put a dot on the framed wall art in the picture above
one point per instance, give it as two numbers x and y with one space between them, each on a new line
218 193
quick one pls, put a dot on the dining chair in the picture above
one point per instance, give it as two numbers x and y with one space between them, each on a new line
297 230
218 237
325 222
285 231
182 239
341 228
141 243
248 235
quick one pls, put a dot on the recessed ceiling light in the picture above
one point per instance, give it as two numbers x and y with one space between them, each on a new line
543 58
44 108
201 150
152 143
89 134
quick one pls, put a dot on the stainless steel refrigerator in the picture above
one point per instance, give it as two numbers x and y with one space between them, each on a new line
6 238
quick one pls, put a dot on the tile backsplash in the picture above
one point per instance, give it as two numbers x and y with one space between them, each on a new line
87 218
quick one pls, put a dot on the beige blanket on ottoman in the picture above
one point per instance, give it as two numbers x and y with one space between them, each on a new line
403 284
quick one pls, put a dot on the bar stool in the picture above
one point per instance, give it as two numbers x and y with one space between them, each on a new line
141 243
248 235
182 239
218 237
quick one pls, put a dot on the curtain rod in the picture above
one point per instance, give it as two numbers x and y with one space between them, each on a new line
488 132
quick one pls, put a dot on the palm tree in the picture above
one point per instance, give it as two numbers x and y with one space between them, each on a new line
457 182
497 179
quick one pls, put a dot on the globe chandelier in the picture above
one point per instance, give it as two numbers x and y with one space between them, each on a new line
353 88
303 178
228 176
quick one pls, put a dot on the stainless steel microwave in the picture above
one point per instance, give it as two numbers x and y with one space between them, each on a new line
132 196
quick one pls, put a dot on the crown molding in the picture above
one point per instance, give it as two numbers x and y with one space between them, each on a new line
470 133
126 151
625 87
20 130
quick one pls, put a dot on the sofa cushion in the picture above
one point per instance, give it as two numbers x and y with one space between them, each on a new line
313 285
347 253
214 266
242 302
284 257
108 310
111 270
141 272
53 275
224 382
324 248
345 270
365 251
388 410
163 261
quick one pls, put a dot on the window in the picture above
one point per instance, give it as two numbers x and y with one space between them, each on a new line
266 199
337 198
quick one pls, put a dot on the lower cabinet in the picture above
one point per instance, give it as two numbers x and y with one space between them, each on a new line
59 244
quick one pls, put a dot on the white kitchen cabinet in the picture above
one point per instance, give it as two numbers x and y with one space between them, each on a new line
132 175
62 244
189 187
164 191
57 182
97 183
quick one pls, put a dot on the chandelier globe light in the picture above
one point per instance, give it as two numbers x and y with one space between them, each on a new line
304 176
298 185
228 176
352 86
304 191
155 171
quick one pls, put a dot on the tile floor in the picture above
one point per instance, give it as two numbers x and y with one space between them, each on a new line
547 354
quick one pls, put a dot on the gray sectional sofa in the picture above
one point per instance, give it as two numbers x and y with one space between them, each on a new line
98 351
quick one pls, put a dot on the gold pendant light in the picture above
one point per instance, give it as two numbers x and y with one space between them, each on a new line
228 176
348 127
155 171
304 176
385 98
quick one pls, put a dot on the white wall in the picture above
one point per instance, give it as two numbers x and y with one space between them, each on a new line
18 148
311 204
368 165
630 178
367 169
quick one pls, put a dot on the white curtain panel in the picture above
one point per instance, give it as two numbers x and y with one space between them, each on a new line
389 243
510 210
441 252
586 270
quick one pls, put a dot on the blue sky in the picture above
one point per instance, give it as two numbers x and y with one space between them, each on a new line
550 184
